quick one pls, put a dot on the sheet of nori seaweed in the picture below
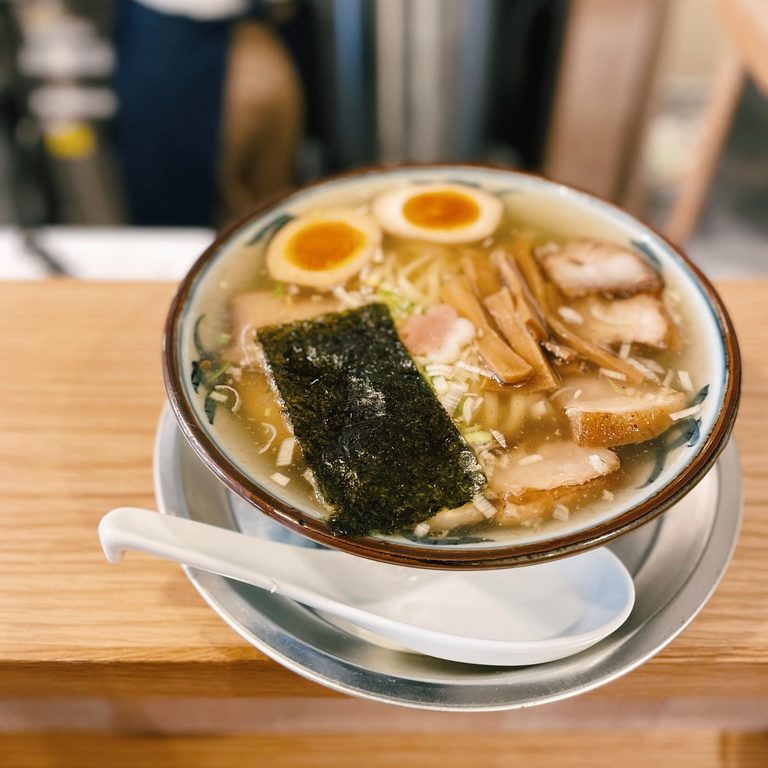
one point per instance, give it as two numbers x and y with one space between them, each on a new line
384 453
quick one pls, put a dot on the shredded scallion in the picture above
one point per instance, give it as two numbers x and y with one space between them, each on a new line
219 392
609 374
484 506
685 413
685 380
499 438
285 452
272 434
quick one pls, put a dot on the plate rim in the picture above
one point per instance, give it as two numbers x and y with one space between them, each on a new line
697 588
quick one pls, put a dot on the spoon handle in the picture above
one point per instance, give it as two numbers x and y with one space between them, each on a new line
266 564
432 613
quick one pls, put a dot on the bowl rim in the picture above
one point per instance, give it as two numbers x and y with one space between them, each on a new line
512 554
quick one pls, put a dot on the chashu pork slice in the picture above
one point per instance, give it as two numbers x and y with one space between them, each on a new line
639 319
555 474
552 467
255 309
584 267
603 416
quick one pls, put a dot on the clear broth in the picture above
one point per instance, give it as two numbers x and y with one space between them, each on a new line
250 430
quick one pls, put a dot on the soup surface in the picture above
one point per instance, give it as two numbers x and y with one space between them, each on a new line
567 367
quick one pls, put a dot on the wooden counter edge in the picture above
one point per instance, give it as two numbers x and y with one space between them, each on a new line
264 679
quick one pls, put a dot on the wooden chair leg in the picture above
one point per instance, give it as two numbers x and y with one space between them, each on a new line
726 90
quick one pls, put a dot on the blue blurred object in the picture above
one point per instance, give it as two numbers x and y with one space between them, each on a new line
169 82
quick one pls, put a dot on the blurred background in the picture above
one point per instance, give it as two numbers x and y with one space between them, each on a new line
130 130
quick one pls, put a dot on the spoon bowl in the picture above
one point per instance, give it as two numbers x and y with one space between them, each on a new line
507 617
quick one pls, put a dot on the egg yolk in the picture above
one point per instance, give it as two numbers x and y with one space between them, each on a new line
441 210
323 245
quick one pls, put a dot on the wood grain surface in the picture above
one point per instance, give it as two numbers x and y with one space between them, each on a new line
82 395
564 750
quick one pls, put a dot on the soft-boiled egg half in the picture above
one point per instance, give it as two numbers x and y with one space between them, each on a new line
438 213
323 250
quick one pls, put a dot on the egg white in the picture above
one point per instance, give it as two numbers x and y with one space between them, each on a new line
281 268
388 208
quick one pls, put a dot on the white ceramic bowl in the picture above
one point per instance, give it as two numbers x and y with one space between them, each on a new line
683 457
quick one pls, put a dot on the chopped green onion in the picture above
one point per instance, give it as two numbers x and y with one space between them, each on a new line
477 436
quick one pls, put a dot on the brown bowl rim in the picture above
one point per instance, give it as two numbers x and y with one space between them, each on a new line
445 557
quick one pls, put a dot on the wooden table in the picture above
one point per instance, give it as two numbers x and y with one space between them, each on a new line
85 646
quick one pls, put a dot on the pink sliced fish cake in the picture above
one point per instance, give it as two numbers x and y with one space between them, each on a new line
439 334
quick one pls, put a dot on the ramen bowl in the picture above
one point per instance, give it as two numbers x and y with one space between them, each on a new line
674 463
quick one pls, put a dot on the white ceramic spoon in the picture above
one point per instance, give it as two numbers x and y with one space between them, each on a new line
507 617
